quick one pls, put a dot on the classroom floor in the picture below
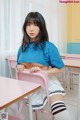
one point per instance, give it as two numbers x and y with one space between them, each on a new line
71 99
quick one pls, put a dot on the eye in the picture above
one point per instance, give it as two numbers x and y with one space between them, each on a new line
28 24
35 24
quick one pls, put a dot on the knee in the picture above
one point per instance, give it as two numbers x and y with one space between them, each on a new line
55 98
57 104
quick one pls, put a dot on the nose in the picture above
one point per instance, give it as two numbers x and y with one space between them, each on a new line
31 27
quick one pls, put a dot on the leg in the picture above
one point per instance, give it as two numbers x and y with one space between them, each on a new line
58 108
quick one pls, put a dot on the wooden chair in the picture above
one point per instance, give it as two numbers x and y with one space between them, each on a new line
39 77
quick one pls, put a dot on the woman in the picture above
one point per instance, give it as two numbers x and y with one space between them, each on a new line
36 53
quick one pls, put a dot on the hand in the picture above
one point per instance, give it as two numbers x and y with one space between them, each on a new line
20 68
35 69
45 72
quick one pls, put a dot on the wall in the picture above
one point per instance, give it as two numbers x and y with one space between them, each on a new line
73 28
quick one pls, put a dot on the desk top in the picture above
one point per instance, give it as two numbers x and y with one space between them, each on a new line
75 63
12 90
73 56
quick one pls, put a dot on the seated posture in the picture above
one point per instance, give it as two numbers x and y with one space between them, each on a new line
36 53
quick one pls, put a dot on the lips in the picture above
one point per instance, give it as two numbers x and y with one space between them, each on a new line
31 34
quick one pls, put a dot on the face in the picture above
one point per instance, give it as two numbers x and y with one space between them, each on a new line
32 31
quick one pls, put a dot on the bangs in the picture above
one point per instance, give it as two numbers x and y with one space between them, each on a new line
33 21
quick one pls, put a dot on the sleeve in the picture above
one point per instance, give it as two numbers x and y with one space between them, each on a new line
55 59
18 54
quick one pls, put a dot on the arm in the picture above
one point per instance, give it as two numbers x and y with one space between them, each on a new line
20 68
55 61
54 71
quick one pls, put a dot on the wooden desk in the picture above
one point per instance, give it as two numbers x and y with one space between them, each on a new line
74 64
12 90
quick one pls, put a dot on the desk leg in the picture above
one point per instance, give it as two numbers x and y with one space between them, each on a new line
30 109
78 106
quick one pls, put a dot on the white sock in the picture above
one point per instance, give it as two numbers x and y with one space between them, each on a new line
59 111
64 115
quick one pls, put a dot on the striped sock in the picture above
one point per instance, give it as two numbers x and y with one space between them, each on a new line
57 107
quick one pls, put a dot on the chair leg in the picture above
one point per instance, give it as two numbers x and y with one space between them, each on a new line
36 115
21 105
71 81
65 77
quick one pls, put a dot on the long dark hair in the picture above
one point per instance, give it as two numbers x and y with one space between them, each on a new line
37 19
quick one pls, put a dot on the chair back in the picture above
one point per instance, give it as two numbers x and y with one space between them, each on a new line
12 65
38 77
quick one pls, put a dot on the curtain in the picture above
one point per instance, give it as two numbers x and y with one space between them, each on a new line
12 15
